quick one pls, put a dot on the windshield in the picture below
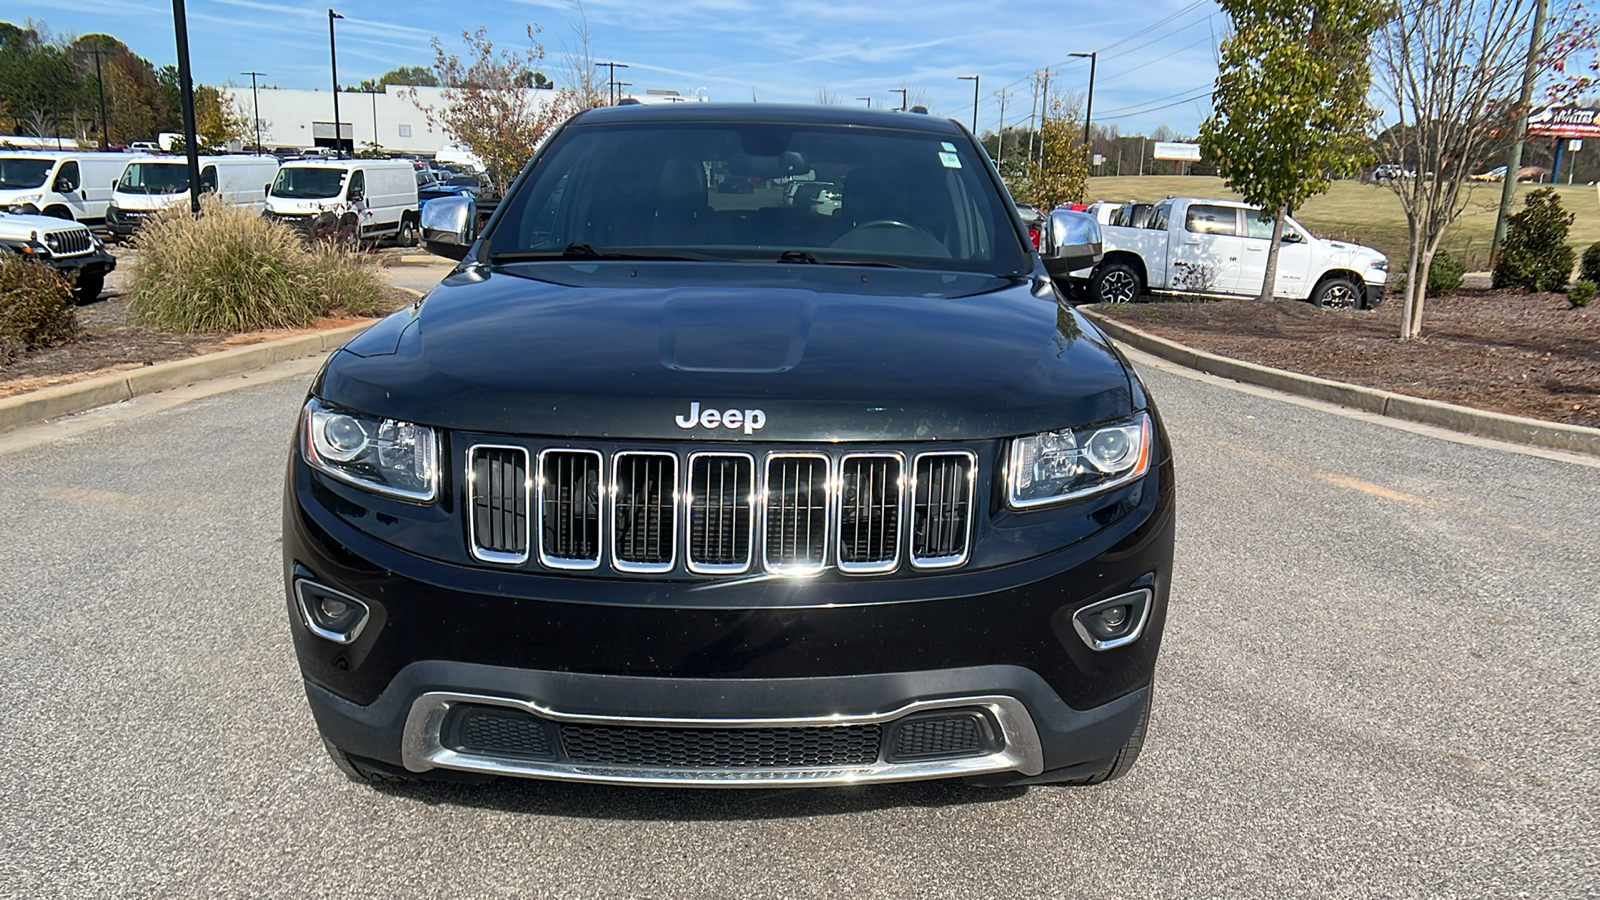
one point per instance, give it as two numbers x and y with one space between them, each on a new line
808 193
154 178
307 183
23 172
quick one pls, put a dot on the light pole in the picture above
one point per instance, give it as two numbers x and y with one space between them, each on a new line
255 105
974 80
1088 106
374 120
902 93
100 83
333 63
191 143
868 99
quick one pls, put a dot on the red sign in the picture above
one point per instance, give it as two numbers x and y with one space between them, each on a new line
1565 122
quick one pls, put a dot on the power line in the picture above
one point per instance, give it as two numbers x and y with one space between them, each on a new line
1139 112
1155 100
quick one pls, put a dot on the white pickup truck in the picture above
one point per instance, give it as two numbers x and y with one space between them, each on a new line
1218 248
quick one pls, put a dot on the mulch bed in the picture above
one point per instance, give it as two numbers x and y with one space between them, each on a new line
108 345
1508 351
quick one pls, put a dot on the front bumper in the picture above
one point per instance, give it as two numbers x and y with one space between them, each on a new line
1374 296
739 655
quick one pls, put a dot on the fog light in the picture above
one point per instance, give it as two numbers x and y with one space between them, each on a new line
1113 622
330 614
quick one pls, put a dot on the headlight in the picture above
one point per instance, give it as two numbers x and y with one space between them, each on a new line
1382 265
1064 465
382 455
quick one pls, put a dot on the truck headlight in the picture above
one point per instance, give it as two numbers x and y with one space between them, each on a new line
1072 463
399 459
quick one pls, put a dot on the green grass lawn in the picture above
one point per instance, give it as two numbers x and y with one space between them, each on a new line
1371 214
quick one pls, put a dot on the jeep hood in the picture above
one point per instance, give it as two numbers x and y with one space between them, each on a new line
627 350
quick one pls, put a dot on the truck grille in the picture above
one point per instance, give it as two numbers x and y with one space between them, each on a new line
804 510
67 243
644 511
569 509
499 508
941 508
797 514
721 490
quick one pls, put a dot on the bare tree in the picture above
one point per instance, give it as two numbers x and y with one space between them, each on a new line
578 64
1450 71
826 97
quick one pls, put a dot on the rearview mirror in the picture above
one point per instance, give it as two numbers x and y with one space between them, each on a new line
449 225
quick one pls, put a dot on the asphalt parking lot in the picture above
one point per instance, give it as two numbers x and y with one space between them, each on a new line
1378 681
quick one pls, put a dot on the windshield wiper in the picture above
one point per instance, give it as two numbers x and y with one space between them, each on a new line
581 250
806 256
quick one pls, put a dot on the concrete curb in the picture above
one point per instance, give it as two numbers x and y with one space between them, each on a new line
62 400
1499 426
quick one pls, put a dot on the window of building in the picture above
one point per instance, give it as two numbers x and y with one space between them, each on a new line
405 131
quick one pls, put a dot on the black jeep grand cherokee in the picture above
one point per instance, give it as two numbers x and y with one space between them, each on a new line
669 486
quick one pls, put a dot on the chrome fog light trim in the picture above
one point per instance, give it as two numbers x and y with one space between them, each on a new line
1125 631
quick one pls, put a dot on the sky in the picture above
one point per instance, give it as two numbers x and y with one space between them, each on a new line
1154 68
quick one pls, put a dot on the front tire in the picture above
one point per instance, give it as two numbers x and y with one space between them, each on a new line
407 235
357 772
1129 754
88 287
1339 293
1117 283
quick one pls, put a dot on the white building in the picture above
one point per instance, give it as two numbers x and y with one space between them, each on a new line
392 119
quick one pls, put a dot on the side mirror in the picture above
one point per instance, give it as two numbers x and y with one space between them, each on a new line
64 186
1291 236
1071 242
113 184
449 225
356 196
266 188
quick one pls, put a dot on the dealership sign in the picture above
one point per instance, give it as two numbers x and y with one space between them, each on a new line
1182 152
1565 122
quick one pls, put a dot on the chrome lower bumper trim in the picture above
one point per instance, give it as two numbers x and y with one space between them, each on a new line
1021 752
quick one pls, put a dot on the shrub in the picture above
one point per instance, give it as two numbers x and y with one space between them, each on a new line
1445 275
1581 293
36 308
1589 268
230 269
1535 254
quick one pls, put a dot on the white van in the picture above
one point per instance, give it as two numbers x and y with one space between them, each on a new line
372 198
66 184
150 184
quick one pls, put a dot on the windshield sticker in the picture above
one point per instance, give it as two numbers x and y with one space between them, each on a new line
949 147
950 160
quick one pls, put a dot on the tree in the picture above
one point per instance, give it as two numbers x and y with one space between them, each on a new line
1060 172
1452 71
487 108
1291 110
417 76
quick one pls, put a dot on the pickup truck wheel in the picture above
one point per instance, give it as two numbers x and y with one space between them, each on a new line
1117 283
1337 293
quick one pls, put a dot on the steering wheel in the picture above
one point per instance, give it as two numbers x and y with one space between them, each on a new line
885 223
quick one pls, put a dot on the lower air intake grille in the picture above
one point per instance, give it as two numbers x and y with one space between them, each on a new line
645 527
499 504
722 748
869 513
569 499
719 512
493 731
797 513
941 508
943 736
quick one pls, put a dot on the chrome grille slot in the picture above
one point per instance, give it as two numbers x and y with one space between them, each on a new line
644 520
871 486
67 243
941 508
499 487
721 514
797 513
569 508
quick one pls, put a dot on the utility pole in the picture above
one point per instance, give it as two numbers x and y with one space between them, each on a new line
868 99
974 79
101 84
1000 134
255 104
902 93
1044 110
333 63
1033 113
619 85
1530 76
191 143
611 79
